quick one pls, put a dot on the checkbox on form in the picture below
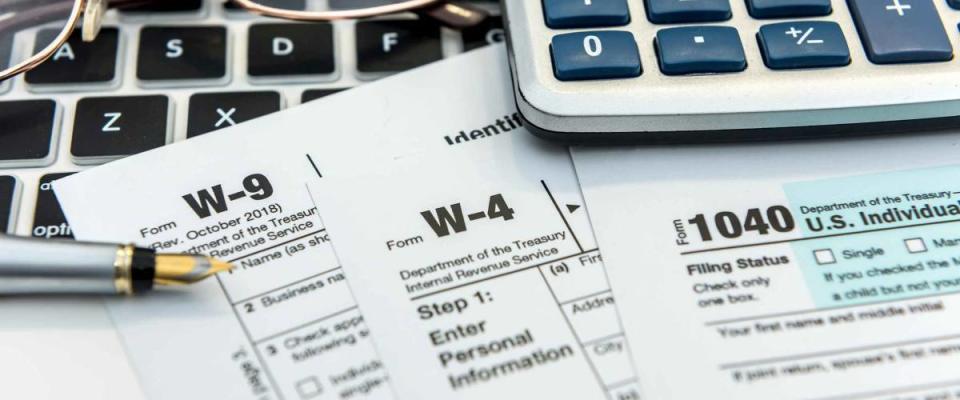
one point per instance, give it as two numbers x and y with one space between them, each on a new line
824 256
915 245
309 388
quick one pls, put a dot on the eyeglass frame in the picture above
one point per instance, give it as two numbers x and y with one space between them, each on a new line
92 12
366 12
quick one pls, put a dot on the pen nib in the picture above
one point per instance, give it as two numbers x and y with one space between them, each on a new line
180 269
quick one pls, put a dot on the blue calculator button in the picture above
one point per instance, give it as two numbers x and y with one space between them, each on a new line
954 4
677 11
562 14
595 55
900 31
788 8
700 49
803 44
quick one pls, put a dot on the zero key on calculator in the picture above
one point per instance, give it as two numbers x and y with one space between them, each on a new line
901 31
595 55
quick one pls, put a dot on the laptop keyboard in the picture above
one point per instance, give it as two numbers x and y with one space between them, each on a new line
168 72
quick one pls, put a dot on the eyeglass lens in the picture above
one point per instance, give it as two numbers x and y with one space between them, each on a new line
326 5
25 15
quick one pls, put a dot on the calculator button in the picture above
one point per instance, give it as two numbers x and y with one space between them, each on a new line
954 4
677 11
396 45
48 219
700 49
804 44
8 200
112 127
788 8
562 14
901 31
76 61
26 132
290 49
179 53
490 31
595 55
212 111
313 94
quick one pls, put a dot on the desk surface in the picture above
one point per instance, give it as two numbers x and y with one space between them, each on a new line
62 348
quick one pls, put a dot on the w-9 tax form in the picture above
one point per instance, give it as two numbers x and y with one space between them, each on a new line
288 322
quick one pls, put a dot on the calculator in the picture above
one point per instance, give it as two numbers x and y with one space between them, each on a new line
649 71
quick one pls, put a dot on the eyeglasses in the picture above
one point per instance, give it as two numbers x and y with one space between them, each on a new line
19 15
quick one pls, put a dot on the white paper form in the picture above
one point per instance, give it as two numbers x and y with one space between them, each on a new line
483 266
283 325
815 270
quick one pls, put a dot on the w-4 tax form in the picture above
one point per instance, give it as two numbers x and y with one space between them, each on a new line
483 266
814 270
284 323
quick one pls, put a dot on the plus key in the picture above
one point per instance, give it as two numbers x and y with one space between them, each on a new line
901 31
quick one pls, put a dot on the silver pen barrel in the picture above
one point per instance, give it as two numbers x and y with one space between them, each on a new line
30 265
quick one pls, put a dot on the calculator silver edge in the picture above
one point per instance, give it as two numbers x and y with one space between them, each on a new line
861 93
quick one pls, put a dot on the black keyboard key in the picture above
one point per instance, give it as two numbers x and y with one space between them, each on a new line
290 49
9 195
313 94
48 219
212 111
181 53
342 5
26 132
488 32
294 5
396 45
111 127
166 6
77 61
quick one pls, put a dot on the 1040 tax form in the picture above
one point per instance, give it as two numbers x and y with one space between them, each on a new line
816 270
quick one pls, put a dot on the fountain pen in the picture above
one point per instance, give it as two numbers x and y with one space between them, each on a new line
36 266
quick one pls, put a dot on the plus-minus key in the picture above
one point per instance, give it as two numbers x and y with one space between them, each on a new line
901 31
